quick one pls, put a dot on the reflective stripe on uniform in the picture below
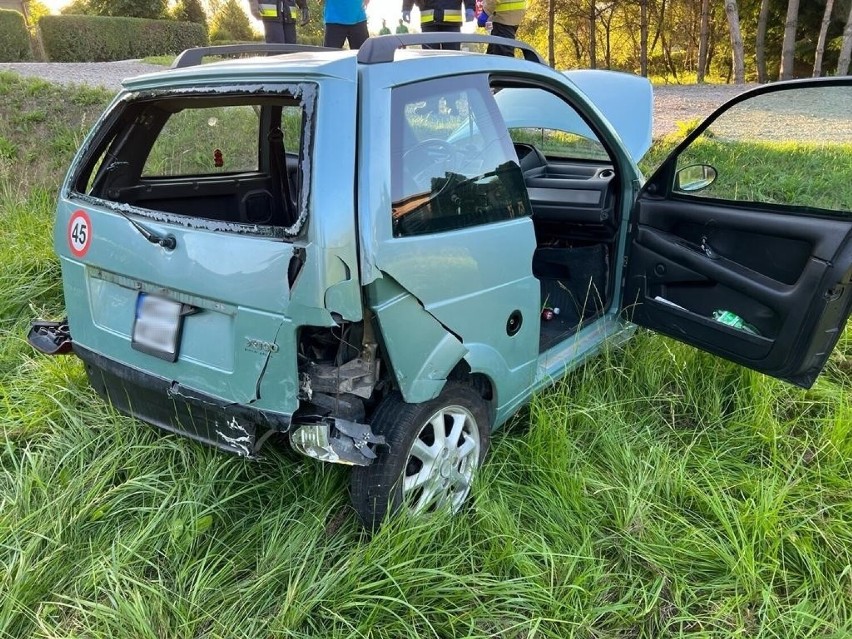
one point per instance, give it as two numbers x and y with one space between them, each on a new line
450 15
294 13
510 6
268 9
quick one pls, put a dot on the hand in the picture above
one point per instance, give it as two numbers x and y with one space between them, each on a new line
406 16
482 18
306 17
468 15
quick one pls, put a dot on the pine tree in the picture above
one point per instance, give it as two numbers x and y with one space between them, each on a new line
190 11
230 22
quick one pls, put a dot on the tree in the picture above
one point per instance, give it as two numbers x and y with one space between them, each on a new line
703 41
737 57
823 33
34 10
760 51
788 48
551 22
152 9
190 11
593 20
643 37
78 8
846 47
230 22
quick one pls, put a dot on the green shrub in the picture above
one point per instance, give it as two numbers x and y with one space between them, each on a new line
14 39
230 22
77 38
190 11
152 9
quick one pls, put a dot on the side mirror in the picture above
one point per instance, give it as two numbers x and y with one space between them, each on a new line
694 178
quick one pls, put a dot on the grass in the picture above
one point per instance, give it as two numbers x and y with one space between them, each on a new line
656 492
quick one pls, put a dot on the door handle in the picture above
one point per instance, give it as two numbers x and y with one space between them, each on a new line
708 250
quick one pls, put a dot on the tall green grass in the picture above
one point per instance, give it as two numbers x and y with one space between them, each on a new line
656 492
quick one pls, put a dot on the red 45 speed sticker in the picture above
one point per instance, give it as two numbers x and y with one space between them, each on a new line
79 233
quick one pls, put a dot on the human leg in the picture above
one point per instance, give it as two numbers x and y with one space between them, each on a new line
431 27
503 31
335 35
274 32
290 32
358 33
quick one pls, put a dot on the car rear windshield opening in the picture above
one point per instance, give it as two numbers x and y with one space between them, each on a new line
226 158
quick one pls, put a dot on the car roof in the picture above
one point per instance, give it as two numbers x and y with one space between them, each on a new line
301 60
315 63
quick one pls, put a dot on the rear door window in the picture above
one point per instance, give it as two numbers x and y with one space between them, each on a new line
237 158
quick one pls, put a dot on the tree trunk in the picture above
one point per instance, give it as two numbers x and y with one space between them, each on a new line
846 47
703 40
662 17
738 64
643 38
551 20
823 32
667 56
788 49
760 48
593 33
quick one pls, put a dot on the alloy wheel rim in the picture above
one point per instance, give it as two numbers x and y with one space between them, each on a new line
441 462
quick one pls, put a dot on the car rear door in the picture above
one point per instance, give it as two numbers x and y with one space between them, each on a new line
741 242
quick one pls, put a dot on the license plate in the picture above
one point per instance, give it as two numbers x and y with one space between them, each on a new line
157 327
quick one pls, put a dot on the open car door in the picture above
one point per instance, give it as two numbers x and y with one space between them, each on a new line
741 242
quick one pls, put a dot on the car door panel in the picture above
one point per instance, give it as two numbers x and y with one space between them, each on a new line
670 265
785 269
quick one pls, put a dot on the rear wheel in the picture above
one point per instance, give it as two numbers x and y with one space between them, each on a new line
433 451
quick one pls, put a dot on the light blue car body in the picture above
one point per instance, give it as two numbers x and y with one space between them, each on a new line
438 303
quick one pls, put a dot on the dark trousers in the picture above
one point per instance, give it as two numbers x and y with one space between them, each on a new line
336 34
278 32
432 27
502 31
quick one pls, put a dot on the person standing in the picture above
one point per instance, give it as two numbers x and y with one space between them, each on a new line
345 20
401 28
279 18
384 30
439 16
505 16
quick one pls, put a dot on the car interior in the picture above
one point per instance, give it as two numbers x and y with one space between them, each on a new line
220 159
574 214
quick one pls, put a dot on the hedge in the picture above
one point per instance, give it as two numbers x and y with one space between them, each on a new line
14 37
77 38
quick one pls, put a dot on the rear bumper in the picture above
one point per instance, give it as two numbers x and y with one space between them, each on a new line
232 427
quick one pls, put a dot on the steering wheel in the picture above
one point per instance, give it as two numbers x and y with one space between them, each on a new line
427 154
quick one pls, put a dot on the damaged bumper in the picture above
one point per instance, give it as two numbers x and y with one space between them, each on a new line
232 427
335 440
50 338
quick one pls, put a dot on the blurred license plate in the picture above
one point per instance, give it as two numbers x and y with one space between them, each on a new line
156 329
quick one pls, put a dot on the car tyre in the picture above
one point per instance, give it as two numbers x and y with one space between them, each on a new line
430 458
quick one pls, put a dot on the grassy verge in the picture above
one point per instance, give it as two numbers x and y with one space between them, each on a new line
655 492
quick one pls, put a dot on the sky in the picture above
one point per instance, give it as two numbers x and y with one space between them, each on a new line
376 10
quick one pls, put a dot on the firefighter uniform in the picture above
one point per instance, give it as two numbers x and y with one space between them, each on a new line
505 16
279 18
438 15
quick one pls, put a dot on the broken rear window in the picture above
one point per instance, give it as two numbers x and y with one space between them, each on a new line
237 158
